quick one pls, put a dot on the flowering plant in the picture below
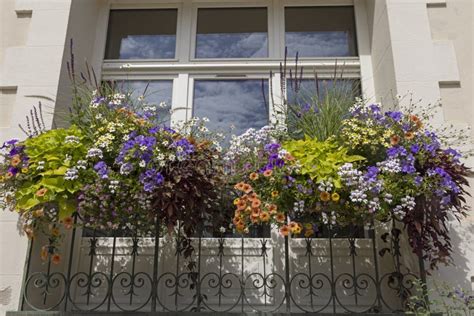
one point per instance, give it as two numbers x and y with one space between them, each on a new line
116 168
423 182
392 168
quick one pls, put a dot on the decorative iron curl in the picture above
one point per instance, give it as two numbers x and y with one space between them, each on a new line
312 284
401 283
89 282
175 282
264 282
362 282
225 281
45 282
129 282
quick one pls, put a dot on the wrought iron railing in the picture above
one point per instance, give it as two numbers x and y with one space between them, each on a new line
327 275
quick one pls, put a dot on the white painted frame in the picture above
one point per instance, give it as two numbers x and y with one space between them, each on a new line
184 68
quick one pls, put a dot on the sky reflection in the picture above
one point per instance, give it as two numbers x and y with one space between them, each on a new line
232 45
147 47
238 103
319 44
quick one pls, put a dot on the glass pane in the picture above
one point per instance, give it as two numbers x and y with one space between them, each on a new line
320 31
242 104
306 90
141 34
154 93
232 33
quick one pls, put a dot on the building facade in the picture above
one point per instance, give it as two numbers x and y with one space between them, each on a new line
414 48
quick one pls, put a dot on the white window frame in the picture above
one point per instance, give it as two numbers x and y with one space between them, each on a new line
184 68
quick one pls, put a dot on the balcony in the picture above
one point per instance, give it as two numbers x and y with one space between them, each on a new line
353 270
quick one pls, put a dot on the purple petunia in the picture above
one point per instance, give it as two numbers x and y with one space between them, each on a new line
151 179
101 169
415 148
395 115
183 148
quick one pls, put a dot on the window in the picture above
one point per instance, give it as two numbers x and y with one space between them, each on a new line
320 31
213 58
141 34
241 104
232 33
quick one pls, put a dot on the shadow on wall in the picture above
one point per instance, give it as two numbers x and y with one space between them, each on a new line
462 240
5 295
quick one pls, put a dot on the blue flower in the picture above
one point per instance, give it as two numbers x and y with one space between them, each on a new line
101 169
272 147
396 116
415 148
151 179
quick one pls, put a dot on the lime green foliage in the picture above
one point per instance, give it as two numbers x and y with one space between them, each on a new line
50 157
320 160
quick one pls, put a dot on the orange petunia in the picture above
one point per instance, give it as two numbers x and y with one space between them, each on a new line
254 219
293 225
414 118
409 135
239 186
41 192
325 196
240 227
268 173
280 217
253 196
256 212
394 140
247 188
284 230
272 208
68 221
56 259
241 205
15 160
8 175
256 203
55 232
289 157
236 220
264 217
253 176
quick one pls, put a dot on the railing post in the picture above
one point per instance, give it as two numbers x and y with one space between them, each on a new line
421 265
67 285
26 276
376 264
287 275
154 290
111 275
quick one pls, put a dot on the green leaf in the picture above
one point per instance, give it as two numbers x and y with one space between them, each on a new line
66 208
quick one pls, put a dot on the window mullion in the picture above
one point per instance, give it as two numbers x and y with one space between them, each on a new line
180 109
185 32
